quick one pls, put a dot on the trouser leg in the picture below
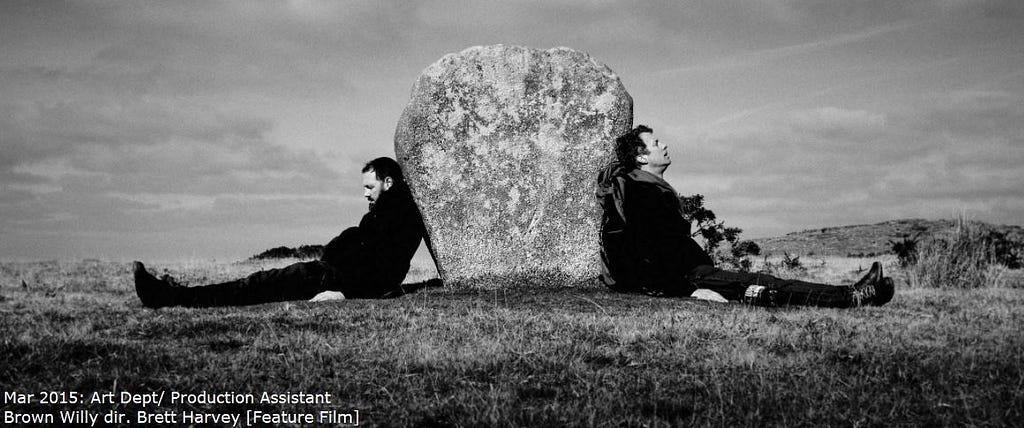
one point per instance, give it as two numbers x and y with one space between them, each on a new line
299 281
734 286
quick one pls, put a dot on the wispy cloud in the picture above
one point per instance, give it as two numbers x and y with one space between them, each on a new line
837 88
759 57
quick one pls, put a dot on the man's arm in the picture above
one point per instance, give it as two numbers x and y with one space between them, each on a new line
433 256
392 234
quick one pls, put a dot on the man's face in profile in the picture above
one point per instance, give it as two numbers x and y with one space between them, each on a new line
372 187
657 153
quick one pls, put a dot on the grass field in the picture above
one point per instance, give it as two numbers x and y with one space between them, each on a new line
520 357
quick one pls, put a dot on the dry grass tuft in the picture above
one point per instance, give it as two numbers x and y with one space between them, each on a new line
965 258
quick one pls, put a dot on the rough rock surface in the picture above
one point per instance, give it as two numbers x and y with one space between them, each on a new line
501 146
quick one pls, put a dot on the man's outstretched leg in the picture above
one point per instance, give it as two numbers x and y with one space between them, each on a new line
299 281
767 290
152 291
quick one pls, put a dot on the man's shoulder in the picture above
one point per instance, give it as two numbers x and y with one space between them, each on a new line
395 199
398 205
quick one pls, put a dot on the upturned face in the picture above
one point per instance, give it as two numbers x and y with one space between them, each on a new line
657 153
372 187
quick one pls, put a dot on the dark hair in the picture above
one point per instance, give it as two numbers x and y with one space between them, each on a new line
629 145
384 167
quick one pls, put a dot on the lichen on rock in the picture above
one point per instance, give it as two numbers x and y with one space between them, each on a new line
501 146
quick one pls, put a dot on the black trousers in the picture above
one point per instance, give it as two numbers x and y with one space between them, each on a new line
339 267
777 292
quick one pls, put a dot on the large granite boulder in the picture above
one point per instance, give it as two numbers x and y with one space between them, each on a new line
501 146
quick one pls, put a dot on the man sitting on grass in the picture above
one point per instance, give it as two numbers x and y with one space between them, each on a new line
646 245
368 261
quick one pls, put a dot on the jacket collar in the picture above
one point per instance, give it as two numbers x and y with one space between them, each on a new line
611 185
646 177
395 195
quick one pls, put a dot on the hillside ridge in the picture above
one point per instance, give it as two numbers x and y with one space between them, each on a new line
864 239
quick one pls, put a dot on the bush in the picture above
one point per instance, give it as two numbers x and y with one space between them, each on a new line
972 256
1008 252
714 232
303 252
744 248
906 250
704 222
792 263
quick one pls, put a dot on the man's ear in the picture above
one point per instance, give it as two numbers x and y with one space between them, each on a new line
641 159
386 184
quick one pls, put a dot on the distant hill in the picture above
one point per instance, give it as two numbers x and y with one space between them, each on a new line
302 252
863 239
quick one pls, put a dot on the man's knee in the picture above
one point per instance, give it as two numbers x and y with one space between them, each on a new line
343 247
347 237
351 233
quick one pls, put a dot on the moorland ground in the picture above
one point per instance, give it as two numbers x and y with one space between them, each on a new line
549 356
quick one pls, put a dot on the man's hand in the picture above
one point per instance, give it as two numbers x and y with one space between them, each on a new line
327 296
711 296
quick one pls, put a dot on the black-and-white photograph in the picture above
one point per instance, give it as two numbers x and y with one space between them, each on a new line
459 213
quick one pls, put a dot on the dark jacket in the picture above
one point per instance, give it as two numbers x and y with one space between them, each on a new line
645 240
373 259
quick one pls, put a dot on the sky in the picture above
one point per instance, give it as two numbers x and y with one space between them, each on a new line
181 130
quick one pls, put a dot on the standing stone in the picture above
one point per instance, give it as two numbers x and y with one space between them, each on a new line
501 146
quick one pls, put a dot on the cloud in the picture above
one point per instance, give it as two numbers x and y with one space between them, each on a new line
976 114
761 56
113 111
119 167
187 48
828 165
866 12
975 148
154 147
834 123
822 138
